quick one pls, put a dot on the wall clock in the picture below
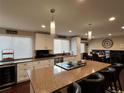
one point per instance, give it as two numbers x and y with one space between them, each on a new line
107 43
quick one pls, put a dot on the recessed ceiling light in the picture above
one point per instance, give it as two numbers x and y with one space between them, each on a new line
43 26
70 31
109 34
122 27
112 18
81 0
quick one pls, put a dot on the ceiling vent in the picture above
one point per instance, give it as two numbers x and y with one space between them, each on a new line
11 31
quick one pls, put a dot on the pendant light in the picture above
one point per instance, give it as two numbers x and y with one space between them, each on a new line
52 23
90 32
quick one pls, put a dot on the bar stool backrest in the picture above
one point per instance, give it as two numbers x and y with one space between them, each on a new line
77 87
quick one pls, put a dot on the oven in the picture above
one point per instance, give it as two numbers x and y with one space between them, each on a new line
7 75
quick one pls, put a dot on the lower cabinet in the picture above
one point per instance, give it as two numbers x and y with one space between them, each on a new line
21 71
44 63
23 67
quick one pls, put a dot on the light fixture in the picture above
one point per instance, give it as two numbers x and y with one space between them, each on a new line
122 27
81 0
52 23
90 32
43 26
112 18
70 31
109 34
89 35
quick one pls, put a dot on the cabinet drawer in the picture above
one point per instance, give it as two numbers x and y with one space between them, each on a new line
41 64
24 65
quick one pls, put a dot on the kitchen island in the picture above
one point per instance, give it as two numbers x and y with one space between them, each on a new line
52 78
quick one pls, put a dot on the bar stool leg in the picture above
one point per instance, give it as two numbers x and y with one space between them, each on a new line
119 85
115 86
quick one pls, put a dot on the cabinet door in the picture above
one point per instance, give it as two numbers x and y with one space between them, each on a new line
39 42
22 71
49 42
51 62
43 42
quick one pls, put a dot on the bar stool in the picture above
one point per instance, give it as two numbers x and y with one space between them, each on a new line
85 56
110 77
75 88
118 67
95 57
93 84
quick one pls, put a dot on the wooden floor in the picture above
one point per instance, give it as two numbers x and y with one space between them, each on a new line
19 88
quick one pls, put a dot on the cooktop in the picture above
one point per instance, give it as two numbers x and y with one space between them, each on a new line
70 65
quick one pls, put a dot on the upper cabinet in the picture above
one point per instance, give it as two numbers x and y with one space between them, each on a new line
43 42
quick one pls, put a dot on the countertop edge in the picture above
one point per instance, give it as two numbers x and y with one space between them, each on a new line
31 60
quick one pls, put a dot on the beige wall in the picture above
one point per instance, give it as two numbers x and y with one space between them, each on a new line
118 44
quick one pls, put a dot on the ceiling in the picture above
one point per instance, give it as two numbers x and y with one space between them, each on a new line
72 15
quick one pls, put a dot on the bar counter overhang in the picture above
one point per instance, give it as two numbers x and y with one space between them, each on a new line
50 79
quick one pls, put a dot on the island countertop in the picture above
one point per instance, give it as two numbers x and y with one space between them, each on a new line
50 79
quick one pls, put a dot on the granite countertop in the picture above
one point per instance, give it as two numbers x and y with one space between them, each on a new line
25 60
33 59
57 78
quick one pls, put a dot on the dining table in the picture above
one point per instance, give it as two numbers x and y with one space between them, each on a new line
52 78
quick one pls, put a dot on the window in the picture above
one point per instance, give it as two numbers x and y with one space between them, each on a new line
61 45
22 46
82 48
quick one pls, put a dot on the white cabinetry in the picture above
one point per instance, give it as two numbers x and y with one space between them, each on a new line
21 71
43 42
23 67
43 63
